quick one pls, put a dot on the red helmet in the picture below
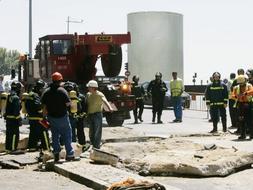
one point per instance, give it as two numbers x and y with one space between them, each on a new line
56 76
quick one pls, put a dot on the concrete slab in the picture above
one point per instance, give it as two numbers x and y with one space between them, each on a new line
8 164
96 176
21 159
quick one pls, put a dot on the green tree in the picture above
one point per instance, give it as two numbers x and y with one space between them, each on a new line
8 60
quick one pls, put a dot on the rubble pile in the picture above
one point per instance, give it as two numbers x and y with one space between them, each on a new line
178 157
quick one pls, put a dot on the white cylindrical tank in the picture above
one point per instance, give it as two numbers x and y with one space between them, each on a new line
156 44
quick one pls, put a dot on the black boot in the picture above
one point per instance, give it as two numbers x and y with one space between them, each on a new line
135 119
214 128
140 118
224 126
153 118
159 119
56 157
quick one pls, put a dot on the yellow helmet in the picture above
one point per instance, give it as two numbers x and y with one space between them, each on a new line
241 79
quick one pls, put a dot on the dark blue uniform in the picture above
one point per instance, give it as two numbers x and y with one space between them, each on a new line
139 93
82 109
158 89
217 97
37 131
13 121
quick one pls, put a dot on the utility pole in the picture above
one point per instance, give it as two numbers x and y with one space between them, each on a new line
30 29
72 21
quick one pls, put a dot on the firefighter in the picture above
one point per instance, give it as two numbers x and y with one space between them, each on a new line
81 116
72 109
249 74
139 93
13 118
232 109
216 98
176 89
34 112
157 89
243 95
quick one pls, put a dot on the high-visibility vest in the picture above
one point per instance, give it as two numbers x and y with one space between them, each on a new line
23 100
74 101
176 87
247 98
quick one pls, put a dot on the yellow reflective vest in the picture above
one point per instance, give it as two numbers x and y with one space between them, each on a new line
176 87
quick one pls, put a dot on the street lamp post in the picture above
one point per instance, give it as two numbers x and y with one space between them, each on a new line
30 29
72 21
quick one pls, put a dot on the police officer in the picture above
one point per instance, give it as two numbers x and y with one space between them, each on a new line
139 93
34 111
13 118
157 88
216 98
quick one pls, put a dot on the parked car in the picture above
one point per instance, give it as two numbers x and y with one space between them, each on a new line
186 98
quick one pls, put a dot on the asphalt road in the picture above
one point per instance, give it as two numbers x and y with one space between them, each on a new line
195 127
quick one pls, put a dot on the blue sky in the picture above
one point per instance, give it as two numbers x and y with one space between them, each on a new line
217 33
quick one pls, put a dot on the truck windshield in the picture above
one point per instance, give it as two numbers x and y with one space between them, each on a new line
62 47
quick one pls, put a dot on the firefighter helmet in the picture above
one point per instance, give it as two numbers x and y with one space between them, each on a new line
241 79
158 74
216 74
16 86
56 76
40 84
69 86
136 78
92 83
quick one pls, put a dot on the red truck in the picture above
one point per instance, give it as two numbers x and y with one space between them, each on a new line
75 57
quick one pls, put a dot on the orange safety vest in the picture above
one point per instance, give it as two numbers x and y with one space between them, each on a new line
238 91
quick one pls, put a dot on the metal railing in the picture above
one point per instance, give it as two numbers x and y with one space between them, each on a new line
198 102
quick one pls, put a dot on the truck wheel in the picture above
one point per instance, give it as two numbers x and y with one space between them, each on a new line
112 62
112 121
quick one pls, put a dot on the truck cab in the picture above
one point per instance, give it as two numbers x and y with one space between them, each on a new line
75 57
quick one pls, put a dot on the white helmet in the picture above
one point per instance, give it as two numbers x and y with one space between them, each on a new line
241 79
92 83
